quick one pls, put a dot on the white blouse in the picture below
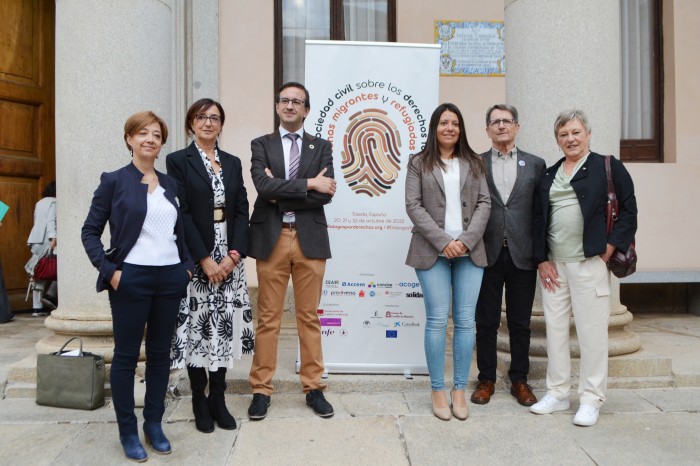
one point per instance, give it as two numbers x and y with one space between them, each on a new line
156 244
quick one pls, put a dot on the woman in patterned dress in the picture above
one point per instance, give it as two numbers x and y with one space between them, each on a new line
215 321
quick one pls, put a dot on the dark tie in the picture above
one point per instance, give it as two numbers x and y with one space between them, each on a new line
293 156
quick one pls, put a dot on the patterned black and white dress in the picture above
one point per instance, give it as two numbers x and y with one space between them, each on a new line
215 323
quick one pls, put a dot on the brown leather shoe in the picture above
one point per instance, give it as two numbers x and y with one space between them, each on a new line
483 392
523 393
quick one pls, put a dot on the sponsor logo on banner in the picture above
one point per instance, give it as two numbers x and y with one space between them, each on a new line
332 312
366 324
392 333
344 332
406 324
326 332
398 315
332 283
343 293
356 284
393 294
361 294
409 285
380 285
330 322
415 294
372 293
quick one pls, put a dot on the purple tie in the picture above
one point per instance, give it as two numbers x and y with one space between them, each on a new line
293 156
293 161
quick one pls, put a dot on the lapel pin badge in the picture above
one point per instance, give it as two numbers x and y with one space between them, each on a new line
311 146
521 163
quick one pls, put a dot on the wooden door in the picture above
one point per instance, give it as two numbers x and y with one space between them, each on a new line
27 152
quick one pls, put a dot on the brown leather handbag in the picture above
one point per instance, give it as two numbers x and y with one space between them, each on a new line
621 263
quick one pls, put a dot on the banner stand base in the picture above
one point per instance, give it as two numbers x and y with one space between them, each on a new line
407 374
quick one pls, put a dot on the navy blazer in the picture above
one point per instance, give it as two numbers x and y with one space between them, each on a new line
591 187
121 199
197 201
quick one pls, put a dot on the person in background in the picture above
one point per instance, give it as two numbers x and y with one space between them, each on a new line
448 201
42 239
6 314
145 270
571 247
512 175
215 325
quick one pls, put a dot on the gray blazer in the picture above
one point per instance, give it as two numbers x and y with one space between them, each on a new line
425 205
277 195
515 216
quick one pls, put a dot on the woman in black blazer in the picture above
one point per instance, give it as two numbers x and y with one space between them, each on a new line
571 246
215 322
146 270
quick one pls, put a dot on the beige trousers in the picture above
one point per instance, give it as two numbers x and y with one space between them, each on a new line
287 260
585 292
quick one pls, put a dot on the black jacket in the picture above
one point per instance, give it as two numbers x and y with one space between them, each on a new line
590 186
197 198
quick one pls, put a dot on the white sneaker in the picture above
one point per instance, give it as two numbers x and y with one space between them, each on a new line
548 404
586 416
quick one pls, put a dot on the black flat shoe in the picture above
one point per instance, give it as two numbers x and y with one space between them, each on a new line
258 407
319 404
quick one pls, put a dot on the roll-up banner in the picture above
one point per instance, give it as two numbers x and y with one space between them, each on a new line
373 101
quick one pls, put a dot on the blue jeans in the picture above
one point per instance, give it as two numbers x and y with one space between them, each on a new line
460 280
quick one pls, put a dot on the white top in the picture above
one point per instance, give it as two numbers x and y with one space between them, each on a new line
453 205
289 217
156 243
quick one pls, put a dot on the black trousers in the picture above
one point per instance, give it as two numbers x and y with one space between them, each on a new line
520 293
147 296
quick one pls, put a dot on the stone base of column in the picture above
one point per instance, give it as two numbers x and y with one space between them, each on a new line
96 334
630 371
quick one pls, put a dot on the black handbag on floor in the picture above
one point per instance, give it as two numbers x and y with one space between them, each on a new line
74 381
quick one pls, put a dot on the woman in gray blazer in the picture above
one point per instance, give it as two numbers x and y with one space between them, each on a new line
448 201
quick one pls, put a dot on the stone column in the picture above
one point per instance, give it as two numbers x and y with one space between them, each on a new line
564 55
114 59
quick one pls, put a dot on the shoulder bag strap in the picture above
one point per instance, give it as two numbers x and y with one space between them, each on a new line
612 207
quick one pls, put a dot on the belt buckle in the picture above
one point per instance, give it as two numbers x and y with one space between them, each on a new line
219 215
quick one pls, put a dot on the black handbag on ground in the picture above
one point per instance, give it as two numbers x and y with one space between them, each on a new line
74 381
621 263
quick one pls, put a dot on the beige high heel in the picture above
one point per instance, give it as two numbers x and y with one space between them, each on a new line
443 413
460 408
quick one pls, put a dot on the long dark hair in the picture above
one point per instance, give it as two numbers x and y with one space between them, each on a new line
431 153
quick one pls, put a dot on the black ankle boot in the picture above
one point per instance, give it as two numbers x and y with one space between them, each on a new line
200 407
217 400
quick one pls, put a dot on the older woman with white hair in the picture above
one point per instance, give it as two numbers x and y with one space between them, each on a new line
571 248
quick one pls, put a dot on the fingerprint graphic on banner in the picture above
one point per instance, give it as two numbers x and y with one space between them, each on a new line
370 155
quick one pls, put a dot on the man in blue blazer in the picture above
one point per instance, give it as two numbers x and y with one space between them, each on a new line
293 174
512 176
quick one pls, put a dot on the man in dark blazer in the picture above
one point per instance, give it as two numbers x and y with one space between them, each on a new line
512 176
293 174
